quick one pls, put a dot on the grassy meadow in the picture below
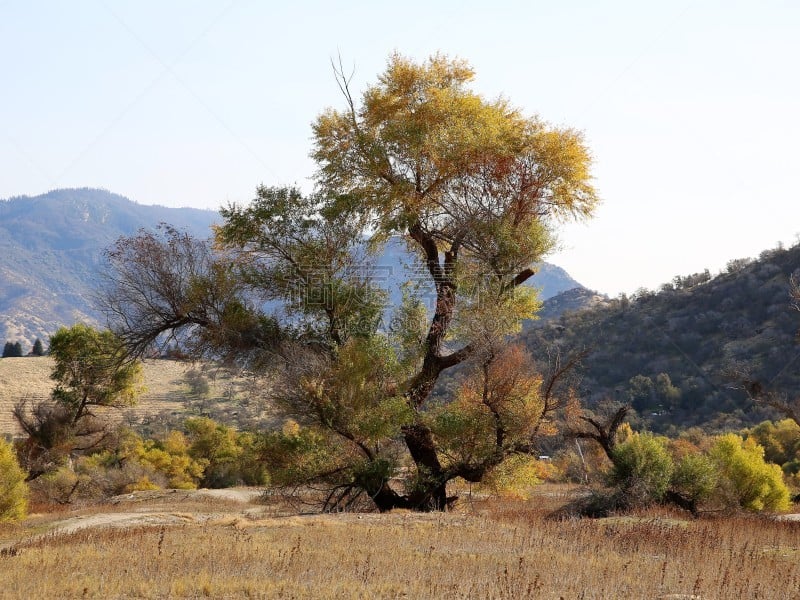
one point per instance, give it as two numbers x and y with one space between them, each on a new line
237 543
191 545
166 391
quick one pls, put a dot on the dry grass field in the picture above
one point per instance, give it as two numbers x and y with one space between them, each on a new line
235 544
194 544
166 391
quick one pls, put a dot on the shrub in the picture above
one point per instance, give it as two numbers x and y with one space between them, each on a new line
642 468
231 457
13 489
515 477
60 486
746 479
138 464
110 473
170 457
695 477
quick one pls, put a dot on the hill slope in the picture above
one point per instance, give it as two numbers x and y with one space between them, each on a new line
704 333
50 249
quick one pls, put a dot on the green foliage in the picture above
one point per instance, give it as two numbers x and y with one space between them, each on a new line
12 350
781 443
297 456
38 348
90 370
747 480
692 472
295 249
642 468
410 324
695 477
356 395
667 394
230 457
348 416
641 391
13 489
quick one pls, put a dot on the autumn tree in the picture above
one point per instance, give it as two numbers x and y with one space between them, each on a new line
475 189
473 186
13 490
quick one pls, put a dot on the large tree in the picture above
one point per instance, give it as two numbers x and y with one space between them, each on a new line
475 189
472 185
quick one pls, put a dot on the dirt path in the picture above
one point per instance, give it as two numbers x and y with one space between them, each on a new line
120 520
236 494
789 517
166 507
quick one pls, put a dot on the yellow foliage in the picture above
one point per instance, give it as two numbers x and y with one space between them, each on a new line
143 484
13 489
291 428
514 477
753 483
624 433
169 457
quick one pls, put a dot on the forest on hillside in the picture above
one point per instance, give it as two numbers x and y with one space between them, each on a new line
680 355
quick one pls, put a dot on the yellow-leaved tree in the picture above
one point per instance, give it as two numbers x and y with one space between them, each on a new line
13 489
475 190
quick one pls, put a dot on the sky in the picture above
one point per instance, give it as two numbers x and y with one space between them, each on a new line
691 109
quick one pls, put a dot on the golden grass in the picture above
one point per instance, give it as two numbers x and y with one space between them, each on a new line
165 386
497 549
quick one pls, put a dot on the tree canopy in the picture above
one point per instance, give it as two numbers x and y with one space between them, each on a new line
91 369
476 190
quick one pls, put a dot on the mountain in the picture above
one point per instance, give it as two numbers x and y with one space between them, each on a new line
568 301
396 265
51 248
679 355
52 245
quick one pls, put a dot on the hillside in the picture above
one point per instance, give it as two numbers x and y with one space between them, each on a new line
51 248
568 301
678 354
168 394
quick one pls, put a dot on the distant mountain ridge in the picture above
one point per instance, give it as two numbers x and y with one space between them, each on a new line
52 245
51 248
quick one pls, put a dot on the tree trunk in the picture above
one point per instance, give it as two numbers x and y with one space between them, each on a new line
431 492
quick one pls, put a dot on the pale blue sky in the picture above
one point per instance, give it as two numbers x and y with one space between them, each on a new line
691 108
